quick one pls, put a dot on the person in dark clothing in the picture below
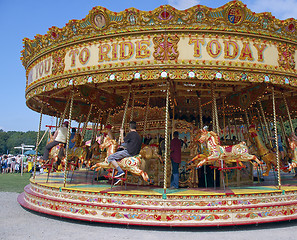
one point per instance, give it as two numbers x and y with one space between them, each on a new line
175 156
131 144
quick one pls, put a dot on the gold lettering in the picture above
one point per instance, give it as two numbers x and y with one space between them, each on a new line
213 53
130 52
47 65
197 49
72 54
228 53
114 53
84 56
246 52
260 51
142 50
103 51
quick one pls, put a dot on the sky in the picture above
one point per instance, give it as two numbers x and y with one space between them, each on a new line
20 19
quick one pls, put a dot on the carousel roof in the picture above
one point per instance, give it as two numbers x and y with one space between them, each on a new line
231 51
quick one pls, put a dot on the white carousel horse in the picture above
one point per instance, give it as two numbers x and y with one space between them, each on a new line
237 152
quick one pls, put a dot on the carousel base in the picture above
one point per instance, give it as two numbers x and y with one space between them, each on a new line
150 206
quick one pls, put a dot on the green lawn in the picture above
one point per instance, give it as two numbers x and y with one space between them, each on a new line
14 182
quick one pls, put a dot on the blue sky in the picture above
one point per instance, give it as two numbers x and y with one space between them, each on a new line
20 19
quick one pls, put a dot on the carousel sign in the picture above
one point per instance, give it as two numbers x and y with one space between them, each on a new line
159 48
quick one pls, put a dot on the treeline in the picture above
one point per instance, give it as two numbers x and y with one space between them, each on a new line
11 139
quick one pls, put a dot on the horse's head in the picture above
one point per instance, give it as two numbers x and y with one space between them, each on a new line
77 139
253 131
203 136
95 145
107 142
292 143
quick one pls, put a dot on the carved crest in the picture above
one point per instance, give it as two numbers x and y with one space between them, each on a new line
286 56
58 61
166 47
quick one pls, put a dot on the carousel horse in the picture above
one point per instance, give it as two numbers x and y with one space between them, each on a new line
133 164
293 147
95 153
56 154
238 152
150 152
265 154
79 151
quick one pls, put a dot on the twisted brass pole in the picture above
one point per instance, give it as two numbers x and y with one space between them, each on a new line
132 106
288 112
64 113
37 142
261 125
126 107
68 137
212 108
86 124
224 120
166 140
146 116
276 139
265 122
125 111
200 113
229 128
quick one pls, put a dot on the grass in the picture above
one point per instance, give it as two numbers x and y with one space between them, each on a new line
14 182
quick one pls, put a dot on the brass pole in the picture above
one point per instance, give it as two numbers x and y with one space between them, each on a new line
125 111
166 140
213 109
37 142
276 139
146 116
288 112
224 120
229 128
86 124
64 113
68 138
265 122
261 124
132 106
200 113
283 132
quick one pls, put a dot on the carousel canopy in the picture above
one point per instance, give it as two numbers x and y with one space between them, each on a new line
229 51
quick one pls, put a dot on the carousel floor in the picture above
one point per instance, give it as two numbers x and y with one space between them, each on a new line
89 200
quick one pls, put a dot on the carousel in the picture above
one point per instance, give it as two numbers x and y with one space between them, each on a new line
224 78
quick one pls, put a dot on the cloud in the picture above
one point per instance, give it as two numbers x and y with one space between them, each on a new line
281 9
183 4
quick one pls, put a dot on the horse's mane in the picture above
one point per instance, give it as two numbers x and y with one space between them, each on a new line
216 137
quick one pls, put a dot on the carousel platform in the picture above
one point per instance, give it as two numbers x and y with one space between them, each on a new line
96 201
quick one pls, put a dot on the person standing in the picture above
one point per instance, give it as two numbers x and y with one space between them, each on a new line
60 136
131 145
175 156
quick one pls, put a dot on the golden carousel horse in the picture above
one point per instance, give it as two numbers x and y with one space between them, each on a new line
265 154
134 164
79 151
56 154
293 147
95 153
238 152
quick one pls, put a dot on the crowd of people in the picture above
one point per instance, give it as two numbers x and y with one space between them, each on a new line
13 164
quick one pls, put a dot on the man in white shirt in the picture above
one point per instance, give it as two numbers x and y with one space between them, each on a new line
60 136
